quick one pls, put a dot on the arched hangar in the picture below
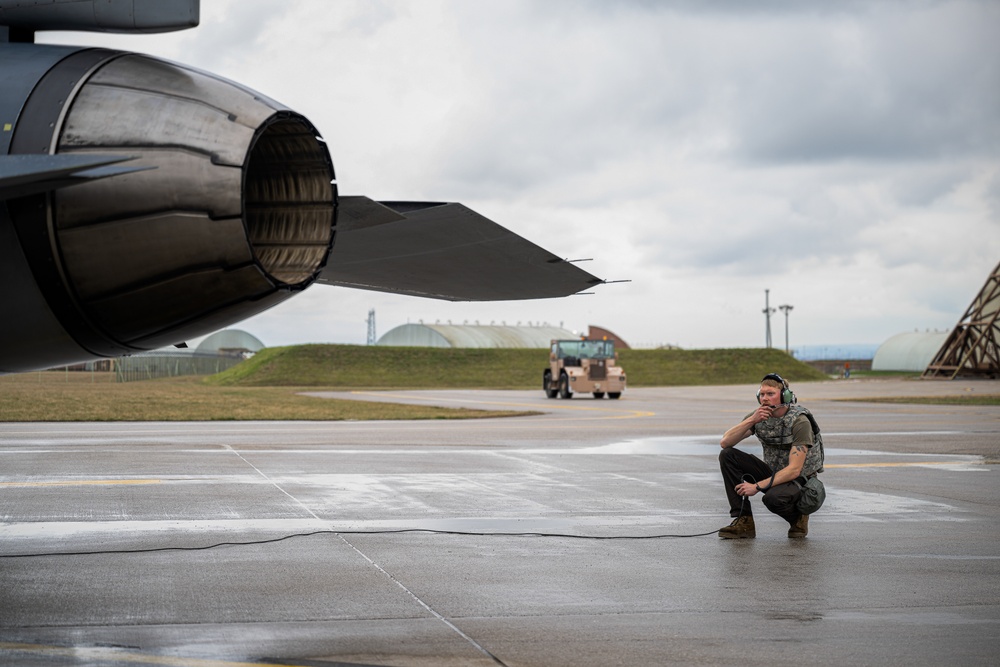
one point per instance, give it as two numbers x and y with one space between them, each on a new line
908 351
473 335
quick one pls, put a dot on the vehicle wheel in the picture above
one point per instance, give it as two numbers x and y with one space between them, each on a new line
614 394
598 394
564 390
547 385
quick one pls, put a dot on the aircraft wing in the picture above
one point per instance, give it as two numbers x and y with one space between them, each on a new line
442 251
22 175
124 16
235 209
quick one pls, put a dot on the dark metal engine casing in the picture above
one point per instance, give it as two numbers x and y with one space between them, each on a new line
235 214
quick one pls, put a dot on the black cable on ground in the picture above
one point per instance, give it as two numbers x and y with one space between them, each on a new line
374 532
355 532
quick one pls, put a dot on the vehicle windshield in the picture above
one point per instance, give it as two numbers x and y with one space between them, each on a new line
585 349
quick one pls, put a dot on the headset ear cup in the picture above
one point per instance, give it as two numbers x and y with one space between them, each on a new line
758 397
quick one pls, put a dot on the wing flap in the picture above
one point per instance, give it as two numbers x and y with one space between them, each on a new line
442 251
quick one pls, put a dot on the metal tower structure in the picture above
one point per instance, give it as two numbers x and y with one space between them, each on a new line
973 347
767 313
786 309
371 326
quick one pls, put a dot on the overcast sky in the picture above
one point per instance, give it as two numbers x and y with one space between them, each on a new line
844 155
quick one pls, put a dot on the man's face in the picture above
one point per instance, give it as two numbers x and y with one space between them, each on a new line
769 395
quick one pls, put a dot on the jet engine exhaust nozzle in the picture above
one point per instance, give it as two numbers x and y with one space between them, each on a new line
237 215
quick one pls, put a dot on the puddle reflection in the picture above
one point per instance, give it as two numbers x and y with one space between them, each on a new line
537 524
707 445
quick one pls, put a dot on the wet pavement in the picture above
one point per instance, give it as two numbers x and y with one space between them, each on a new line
902 564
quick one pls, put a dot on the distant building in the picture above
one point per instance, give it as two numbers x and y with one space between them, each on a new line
473 335
854 352
230 342
600 333
908 351
836 359
220 351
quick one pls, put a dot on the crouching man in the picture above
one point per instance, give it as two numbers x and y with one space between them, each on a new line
793 454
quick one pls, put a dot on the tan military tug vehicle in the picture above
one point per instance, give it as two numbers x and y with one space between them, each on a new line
582 366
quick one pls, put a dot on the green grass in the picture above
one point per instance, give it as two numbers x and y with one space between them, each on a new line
962 399
368 367
58 397
269 386
373 367
659 368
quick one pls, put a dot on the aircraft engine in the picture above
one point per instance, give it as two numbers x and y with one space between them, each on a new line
231 211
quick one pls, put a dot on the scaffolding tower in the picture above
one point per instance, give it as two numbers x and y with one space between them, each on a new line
973 347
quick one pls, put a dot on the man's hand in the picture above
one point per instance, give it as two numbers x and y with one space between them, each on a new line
796 459
763 412
743 429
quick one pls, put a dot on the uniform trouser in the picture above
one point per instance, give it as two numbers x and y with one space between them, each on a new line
780 498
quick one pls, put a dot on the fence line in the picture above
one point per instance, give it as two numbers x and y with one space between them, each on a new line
161 365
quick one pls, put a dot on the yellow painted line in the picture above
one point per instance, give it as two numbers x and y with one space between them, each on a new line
83 482
899 465
109 656
531 406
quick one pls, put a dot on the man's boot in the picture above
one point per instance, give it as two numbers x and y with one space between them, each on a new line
801 526
741 527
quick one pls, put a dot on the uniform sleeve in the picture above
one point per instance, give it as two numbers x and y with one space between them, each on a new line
802 433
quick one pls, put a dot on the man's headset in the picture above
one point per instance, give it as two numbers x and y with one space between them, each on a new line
787 397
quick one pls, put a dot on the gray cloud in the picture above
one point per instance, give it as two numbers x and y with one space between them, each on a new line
708 150
904 85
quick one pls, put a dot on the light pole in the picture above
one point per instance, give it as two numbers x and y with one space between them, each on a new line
767 313
371 326
786 309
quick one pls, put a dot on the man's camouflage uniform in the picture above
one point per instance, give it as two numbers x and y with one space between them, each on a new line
777 435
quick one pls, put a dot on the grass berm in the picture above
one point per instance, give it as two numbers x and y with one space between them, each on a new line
269 386
376 367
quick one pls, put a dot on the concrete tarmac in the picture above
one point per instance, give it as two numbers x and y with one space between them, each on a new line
107 534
